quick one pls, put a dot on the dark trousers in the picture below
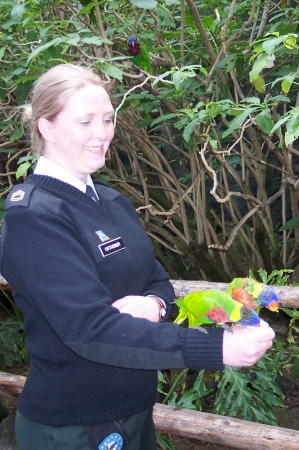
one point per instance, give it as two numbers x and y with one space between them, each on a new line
37 436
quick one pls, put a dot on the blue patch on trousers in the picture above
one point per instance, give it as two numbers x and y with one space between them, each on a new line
112 442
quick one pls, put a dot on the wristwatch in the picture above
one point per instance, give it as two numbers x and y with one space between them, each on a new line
162 306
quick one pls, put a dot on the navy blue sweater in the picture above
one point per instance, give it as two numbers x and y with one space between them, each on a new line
89 363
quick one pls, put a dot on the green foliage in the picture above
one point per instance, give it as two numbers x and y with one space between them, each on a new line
188 398
164 443
12 345
198 139
16 313
290 223
276 277
293 328
13 350
252 393
25 163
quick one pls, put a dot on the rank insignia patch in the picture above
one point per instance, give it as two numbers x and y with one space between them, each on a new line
17 196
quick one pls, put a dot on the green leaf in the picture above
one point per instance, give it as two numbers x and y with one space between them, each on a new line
44 47
286 86
237 121
95 40
29 20
88 8
251 100
17 134
186 401
289 137
103 177
279 123
290 224
22 169
2 51
148 4
22 92
2 89
213 143
223 62
161 77
164 118
253 396
281 98
26 158
189 129
264 122
112 71
74 40
295 370
18 11
270 44
7 25
259 84
289 41
258 66
177 78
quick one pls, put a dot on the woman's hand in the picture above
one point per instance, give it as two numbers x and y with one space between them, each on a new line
244 346
139 306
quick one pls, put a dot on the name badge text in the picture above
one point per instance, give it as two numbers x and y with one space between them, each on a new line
113 246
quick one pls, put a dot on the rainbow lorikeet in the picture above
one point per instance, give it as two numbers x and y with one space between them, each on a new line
139 53
253 294
213 306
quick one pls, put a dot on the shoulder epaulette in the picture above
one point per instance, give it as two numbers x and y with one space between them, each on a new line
19 195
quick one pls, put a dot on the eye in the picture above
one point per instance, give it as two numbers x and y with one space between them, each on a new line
85 122
109 120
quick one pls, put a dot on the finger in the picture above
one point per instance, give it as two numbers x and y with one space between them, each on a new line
263 323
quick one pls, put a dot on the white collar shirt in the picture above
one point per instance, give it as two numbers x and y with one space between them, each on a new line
51 169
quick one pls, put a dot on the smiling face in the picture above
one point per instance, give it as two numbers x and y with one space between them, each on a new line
79 136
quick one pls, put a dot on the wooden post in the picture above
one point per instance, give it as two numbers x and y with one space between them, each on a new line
234 433
220 430
288 296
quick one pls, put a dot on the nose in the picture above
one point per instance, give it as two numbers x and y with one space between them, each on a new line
99 131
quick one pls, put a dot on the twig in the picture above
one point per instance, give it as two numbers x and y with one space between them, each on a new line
244 219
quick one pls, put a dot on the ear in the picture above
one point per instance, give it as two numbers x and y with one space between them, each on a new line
45 128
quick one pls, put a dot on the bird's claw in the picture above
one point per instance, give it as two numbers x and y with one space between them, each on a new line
199 328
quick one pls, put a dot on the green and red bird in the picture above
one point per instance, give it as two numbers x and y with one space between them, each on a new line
139 53
214 307
253 294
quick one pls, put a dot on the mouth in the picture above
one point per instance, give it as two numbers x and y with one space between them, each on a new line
94 149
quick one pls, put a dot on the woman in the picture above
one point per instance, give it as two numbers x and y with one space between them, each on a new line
90 289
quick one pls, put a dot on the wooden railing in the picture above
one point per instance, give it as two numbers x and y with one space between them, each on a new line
288 295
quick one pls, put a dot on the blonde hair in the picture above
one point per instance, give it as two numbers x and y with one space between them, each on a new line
50 94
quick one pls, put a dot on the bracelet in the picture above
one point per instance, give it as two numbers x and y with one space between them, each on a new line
162 309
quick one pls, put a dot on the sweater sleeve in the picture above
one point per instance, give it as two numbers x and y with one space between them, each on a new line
45 262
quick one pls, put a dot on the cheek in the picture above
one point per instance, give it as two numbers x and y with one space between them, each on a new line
111 135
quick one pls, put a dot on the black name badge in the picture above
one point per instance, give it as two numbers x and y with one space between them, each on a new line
113 246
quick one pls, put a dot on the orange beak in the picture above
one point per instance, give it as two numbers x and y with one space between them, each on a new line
273 306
